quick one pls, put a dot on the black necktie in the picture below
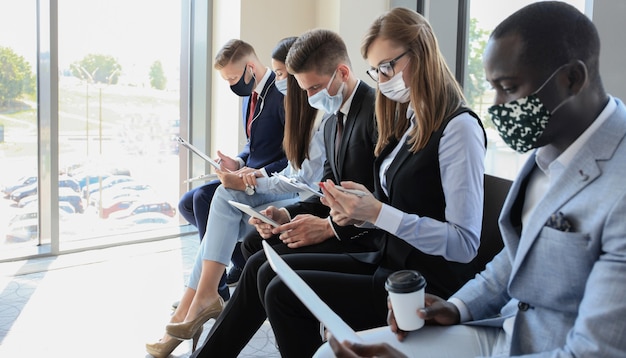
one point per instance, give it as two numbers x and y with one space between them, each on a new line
338 136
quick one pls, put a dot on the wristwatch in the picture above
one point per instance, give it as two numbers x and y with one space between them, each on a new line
249 189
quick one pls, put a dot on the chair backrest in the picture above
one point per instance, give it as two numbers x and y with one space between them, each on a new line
496 190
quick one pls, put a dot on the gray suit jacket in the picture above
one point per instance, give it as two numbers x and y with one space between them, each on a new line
567 290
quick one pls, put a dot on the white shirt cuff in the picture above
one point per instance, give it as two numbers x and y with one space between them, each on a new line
287 213
263 172
463 310
330 222
389 219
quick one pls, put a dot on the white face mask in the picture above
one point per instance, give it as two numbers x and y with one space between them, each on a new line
323 101
281 85
395 89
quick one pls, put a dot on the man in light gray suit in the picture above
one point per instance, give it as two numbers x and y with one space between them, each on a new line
558 288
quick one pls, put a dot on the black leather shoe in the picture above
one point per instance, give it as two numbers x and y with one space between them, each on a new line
233 276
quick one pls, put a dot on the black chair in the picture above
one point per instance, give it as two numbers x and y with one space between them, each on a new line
496 190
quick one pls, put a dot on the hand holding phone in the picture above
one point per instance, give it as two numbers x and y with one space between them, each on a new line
359 193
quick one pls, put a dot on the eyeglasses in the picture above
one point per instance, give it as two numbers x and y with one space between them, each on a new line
386 68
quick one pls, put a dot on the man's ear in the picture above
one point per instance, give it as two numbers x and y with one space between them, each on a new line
578 76
344 71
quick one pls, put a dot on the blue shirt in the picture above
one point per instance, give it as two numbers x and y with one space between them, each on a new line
310 172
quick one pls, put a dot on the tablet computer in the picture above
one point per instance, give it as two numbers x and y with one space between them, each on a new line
309 298
198 152
250 211
296 184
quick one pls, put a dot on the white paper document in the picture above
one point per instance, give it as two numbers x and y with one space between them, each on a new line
198 152
309 298
250 211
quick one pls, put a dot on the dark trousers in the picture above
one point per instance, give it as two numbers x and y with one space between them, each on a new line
260 295
251 244
194 205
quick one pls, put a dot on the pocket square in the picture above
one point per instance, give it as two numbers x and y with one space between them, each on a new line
559 222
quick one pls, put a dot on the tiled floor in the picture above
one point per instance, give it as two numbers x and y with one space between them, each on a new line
101 303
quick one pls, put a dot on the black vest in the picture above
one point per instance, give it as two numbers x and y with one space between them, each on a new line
414 183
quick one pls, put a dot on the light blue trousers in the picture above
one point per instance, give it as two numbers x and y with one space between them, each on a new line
227 224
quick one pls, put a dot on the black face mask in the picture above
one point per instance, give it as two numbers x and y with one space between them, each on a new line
241 88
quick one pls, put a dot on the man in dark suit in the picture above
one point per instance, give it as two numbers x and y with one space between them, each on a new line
320 63
264 120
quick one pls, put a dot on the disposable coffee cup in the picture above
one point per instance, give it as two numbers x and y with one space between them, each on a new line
406 292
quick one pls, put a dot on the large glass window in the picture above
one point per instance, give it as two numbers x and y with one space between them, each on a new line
484 16
119 64
118 116
18 123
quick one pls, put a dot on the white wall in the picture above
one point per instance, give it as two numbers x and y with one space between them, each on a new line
263 23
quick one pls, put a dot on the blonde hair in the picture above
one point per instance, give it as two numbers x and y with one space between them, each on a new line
233 51
435 93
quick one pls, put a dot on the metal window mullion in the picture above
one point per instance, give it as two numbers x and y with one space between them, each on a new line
462 41
48 122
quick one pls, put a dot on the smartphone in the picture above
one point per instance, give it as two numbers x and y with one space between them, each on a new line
359 193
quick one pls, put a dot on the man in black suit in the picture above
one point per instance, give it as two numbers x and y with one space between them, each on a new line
320 63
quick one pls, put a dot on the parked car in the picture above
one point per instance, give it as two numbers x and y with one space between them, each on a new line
24 214
115 206
31 189
73 198
106 183
146 220
143 207
23 192
66 207
28 201
92 173
22 231
21 182
123 190
66 195
92 179
31 212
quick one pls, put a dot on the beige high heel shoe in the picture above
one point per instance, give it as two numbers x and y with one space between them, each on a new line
186 330
164 349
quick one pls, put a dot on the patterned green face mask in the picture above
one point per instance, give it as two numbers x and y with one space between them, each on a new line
521 122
